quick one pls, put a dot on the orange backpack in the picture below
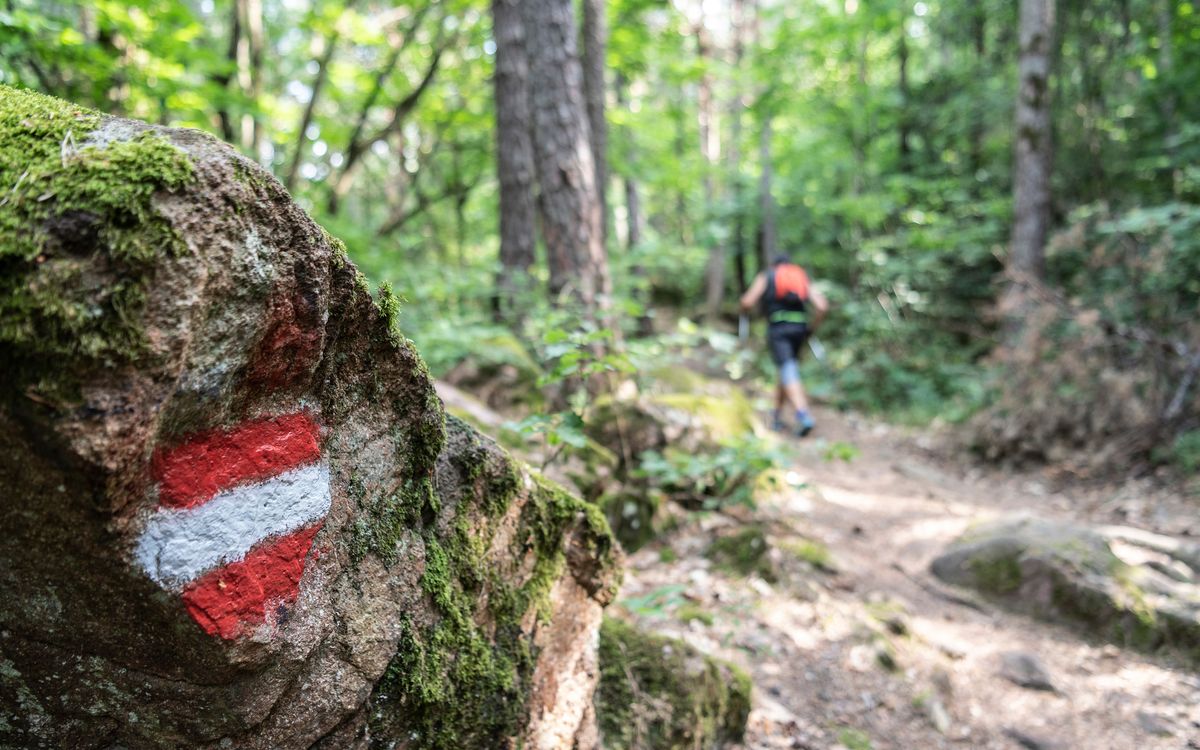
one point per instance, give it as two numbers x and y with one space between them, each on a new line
787 286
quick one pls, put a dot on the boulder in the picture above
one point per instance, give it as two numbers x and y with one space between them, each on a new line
1066 572
661 694
234 513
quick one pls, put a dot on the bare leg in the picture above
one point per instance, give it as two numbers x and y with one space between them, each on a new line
795 394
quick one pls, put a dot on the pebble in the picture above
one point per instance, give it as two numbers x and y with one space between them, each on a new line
1026 670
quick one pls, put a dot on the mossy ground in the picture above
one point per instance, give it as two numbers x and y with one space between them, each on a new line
659 694
743 552
68 211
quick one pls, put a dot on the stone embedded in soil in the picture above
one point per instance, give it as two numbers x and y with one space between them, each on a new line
235 515
1066 572
661 694
1025 670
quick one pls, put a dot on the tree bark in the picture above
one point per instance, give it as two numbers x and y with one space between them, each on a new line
595 42
714 273
766 231
902 120
249 67
733 154
514 156
1034 157
324 57
569 209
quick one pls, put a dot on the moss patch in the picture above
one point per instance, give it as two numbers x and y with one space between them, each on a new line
743 552
657 693
80 235
463 680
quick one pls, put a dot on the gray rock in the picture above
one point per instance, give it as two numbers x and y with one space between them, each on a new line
1153 724
1068 573
1025 670
188 340
1031 741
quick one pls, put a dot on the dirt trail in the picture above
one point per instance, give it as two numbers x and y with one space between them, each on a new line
876 653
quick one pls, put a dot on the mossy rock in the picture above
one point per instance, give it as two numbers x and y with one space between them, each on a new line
744 551
1068 573
635 515
411 584
661 694
682 421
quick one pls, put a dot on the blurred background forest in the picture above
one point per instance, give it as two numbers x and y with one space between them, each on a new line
872 139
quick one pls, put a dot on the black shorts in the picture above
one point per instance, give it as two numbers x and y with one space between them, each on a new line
786 340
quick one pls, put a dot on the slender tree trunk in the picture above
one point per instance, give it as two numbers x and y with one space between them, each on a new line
905 96
595 41
979 37
1034 158
226 118
323 59
634 220
569 208
767 241
249 65
733 154
1166 64
514 156
714 273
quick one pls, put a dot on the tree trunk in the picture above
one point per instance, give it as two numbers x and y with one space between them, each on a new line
595 41
224 116
1166 63
979 37
766 231
569 209
249 71
733 154
1034 157
514 156
714 274
905 96
324 57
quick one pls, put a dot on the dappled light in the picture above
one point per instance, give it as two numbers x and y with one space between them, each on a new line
600 374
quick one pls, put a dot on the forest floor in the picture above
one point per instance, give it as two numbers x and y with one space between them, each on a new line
867 649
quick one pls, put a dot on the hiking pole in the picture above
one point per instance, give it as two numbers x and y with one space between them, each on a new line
743 327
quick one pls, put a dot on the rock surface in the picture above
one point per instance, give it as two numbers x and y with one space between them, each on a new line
235 515
1067 572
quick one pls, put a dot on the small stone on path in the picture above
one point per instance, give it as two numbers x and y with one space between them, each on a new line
1031 741
1025 670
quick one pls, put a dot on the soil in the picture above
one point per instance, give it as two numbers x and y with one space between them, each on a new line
867 649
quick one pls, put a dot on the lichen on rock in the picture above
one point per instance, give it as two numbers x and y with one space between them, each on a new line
164 304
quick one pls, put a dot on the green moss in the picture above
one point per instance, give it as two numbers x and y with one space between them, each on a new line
692 612
743 552
724 418
997 575
80 236
383 518
812 552
631 515
854 739
462 680
660 693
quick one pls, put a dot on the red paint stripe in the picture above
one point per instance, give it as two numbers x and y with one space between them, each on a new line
240 594
192 472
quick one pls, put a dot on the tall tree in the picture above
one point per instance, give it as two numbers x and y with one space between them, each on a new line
1034 156
733 154
714 273
514 155
567 204
766 227
595 42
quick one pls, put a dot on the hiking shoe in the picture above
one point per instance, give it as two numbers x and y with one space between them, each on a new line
777 424
804 425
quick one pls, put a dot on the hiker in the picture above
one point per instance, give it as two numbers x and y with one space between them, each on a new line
786 296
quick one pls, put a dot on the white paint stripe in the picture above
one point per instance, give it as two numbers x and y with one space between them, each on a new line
180 544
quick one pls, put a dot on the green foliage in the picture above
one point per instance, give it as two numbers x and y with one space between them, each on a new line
840 451
1185 453
711 480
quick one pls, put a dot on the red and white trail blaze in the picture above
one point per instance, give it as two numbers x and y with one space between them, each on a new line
238 510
